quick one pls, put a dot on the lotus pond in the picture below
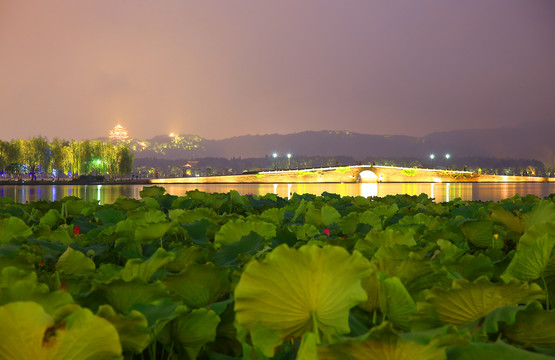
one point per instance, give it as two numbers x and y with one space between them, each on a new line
225 276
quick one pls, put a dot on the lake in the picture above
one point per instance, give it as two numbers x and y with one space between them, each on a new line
441 192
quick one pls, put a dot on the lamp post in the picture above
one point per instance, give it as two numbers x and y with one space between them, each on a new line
275 155
432 157
289 161
447 156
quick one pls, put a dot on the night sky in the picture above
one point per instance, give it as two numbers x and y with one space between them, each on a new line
218 69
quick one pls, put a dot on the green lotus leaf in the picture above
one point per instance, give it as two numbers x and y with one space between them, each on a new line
229 254
386 211
529 262
381 343
506 314
195 329
234 231
60 235
468 301
535 231
543 211
325 216
152 191
77 207
389 237
478 232
308 349
133 331
184 257
51 218
294 292
199 284
533 326
13 228
300 210
198 230
305 231
159 313
508 219
369 217
151 231
237 199
21 285
28 332
127 204
371 285
74 262
395 302
143 270
123 295
109 216
488 351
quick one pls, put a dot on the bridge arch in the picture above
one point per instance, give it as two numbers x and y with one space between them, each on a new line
367 176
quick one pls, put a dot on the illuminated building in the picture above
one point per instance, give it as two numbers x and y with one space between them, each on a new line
118 133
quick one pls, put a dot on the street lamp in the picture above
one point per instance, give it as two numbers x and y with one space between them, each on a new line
432 157
289 160
275 155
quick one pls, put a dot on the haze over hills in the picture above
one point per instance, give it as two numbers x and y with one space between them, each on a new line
507 142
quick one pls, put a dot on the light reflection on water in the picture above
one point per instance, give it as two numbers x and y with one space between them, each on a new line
441 192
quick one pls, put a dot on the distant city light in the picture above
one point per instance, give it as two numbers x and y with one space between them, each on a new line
274 155
432 156
447 156
289 155
172 135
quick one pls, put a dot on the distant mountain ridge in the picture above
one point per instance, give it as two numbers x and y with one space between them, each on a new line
527 141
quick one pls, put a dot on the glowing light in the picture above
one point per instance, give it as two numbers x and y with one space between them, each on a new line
274 155
172 135
447 156
118 133
289 155
432 156
437 180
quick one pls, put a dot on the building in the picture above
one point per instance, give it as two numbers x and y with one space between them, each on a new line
118 133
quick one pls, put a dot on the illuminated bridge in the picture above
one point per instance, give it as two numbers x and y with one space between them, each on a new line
349 174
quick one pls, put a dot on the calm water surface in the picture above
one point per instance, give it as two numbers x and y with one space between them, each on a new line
441 192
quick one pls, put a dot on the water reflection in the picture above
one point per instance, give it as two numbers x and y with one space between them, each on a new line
441 192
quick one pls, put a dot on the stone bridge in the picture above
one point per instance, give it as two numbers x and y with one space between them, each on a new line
344 174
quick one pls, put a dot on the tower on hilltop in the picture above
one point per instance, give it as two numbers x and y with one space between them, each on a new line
118 133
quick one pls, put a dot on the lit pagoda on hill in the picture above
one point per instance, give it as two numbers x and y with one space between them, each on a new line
118 133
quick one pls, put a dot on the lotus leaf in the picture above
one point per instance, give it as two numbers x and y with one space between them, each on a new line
233 231
381 343
535 231
20 285
152 191
293 291
229 254
13 228
133 331
74 262
199 284
325 216
52 218
109 216
498 350
530 261
532 326
508 219
468 301
124 295
28 332
478 232
395 301
543 211
151 231
195 329
143 270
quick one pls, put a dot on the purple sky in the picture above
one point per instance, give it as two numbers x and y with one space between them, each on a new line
218 69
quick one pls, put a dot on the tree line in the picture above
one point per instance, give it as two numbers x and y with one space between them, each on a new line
37 156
